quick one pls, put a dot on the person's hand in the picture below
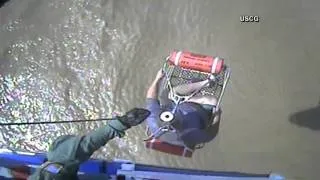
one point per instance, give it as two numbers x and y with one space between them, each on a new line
159 75
134 117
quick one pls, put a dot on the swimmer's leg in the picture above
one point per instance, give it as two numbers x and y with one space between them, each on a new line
189 88
206 99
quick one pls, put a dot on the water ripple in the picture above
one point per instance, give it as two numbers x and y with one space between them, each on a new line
60 76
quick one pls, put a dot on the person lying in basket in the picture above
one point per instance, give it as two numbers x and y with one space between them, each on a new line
192 119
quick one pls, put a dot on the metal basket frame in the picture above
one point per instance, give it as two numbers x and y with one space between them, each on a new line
175 75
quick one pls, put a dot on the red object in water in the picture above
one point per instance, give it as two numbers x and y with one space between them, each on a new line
197 62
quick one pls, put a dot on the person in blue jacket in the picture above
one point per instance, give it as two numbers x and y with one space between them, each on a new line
191 119
67 152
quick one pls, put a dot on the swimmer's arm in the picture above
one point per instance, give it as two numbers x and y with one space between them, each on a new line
153 90
152 103
153 106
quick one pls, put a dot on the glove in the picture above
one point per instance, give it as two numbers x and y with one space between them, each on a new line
134 117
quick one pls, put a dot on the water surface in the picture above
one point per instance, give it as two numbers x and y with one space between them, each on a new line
64 60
